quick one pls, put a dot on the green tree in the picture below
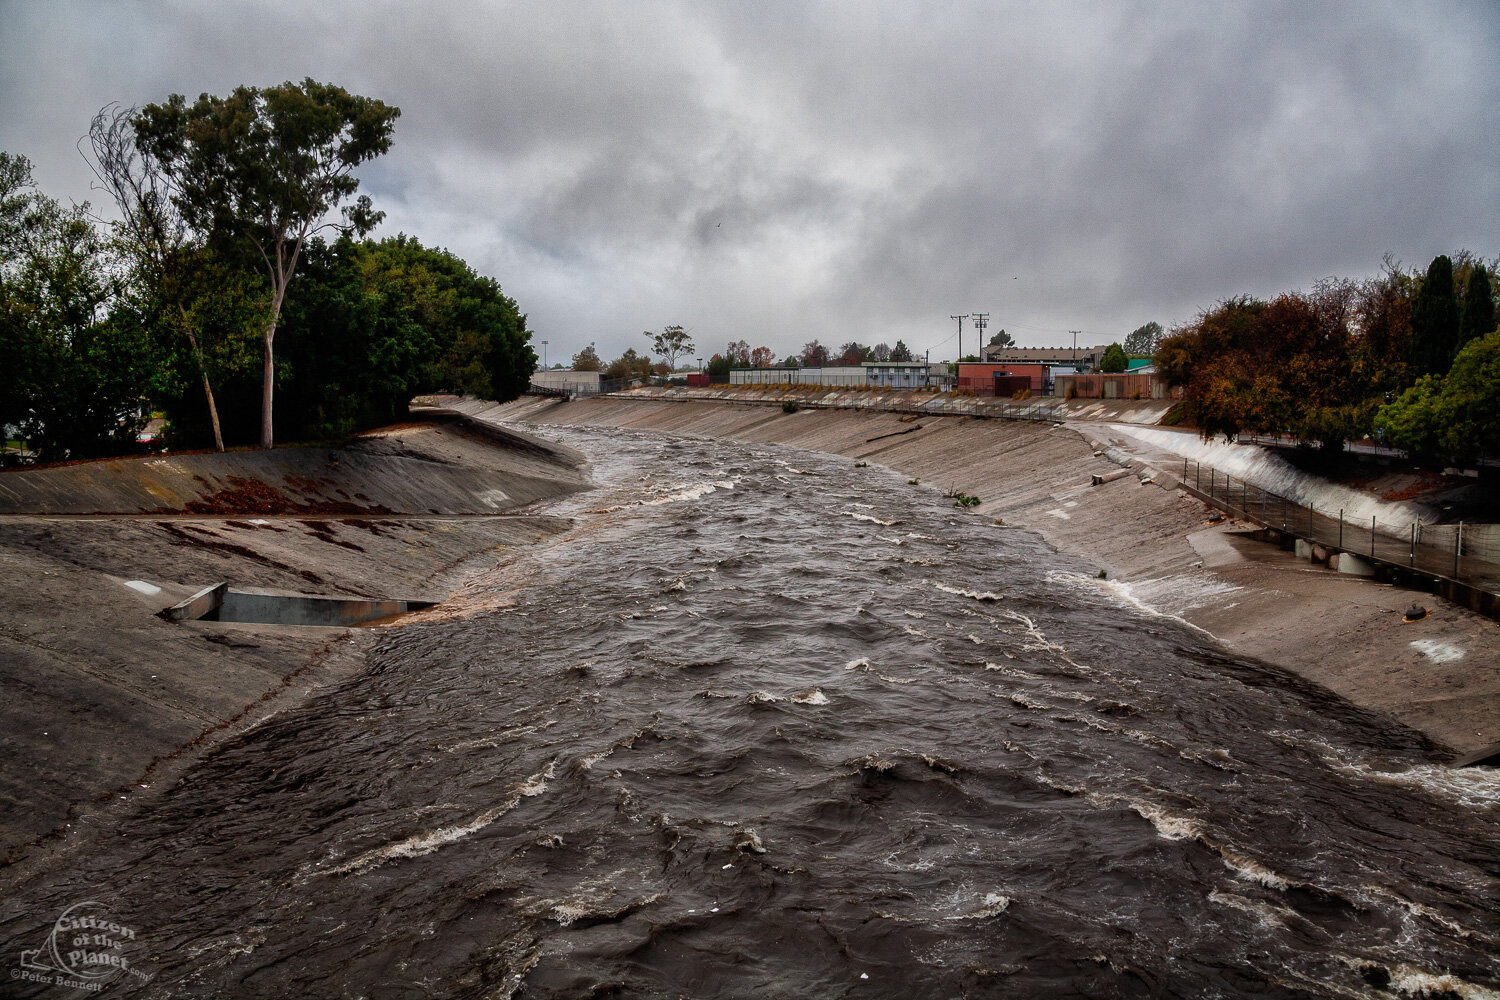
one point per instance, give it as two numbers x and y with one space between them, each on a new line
371 324
19 201
628 365
1143 340
903 353
267 167
1114 359
204 315
1002 340
719 366
672 343
587 360
1479 307
76 377
180 287
1435 320
814 355
1456 416
853 353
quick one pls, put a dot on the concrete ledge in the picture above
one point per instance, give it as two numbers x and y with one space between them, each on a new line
1352 565
1484 755
205 601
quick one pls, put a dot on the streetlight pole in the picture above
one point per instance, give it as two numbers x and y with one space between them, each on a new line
544 355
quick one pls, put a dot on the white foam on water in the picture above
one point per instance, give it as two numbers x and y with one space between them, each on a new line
1474 787
1418 910
994 904
503 736
812 697
426 843
1177 595
1417 982
1169 825
691 492
1122 593
978 595
867 517
1252 870
863 663
1264 913
1011 671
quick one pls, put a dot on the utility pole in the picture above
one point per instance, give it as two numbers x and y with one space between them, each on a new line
1075 349
981 320
960 332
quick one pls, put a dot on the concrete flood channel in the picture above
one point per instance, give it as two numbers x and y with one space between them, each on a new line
769 723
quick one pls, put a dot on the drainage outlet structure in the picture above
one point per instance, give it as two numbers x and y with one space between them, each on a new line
220 604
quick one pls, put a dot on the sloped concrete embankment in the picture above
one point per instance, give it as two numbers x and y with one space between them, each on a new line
1440 675
98 687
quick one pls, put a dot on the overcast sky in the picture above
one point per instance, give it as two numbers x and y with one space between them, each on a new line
776 172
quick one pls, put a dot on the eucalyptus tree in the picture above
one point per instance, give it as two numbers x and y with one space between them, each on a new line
264 169
672 343
182 286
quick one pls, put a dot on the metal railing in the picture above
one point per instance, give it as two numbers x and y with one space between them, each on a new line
1467 553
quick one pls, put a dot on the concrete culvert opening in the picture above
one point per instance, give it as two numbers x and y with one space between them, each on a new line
220 604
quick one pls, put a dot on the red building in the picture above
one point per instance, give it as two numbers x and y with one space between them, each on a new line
987 379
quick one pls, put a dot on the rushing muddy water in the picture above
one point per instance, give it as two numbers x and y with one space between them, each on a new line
770 724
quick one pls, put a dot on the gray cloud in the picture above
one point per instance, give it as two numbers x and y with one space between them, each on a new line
778 172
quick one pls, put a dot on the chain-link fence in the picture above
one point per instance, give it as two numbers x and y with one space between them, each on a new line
1468 553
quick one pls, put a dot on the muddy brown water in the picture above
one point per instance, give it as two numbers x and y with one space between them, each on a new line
765 723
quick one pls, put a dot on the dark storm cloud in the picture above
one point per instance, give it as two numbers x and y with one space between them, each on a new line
777 172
